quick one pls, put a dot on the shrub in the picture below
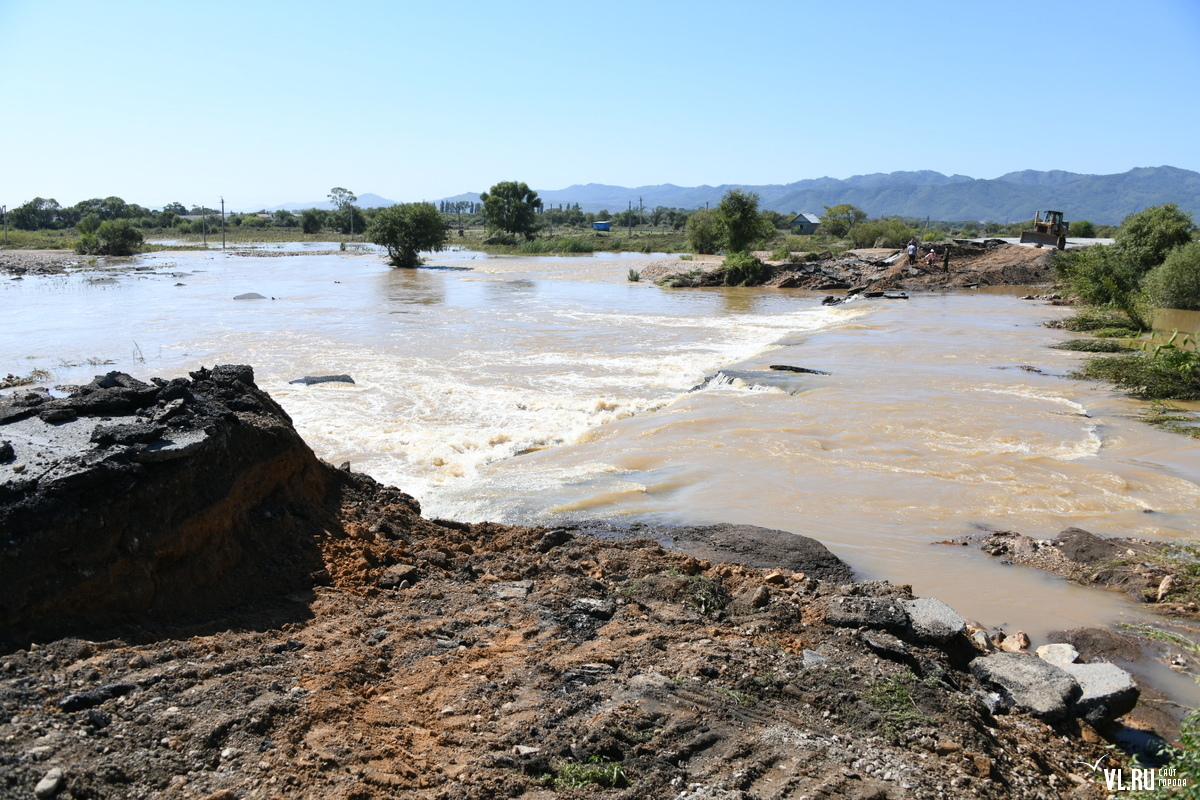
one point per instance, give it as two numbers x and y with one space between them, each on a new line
1103 276
1176 282
114 237
1145 238
743 269
703 234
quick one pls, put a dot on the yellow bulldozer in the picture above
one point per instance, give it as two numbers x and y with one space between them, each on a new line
1049 229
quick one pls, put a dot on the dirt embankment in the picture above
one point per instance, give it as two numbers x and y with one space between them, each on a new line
993 263
367 652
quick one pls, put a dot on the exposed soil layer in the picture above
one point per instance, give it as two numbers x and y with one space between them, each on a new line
332 643
992 263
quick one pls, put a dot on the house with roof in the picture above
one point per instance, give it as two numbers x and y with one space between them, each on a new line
805 223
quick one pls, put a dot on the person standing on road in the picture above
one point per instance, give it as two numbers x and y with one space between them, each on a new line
946 259
912 252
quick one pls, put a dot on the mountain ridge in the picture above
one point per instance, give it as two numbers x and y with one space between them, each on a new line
1103 199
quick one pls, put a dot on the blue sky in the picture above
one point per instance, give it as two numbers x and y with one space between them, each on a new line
272 102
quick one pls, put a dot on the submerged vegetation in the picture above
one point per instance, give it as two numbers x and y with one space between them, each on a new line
1153 262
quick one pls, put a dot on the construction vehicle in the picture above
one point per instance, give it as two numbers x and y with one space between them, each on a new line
1048 229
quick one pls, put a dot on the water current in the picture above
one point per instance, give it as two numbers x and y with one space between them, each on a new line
538 390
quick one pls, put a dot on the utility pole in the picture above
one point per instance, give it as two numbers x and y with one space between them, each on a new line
204 228
222 222
629 218
4 211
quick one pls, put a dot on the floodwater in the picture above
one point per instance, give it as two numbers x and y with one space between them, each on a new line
539 390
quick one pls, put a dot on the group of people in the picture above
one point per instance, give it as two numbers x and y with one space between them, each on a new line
930 257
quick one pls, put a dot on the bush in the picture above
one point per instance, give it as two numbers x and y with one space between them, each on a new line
743 269
1176 282
1146 237
114 237
702 232
1103 276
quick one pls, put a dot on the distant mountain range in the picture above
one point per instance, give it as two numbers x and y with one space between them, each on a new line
1103 199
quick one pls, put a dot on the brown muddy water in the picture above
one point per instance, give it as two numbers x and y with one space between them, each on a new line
539 390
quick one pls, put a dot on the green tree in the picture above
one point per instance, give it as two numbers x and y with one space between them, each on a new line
312 220
1175 283
1083 229
37 214
175 208
113 237
1145 238
407 229
738 221
839 219
702 233
343 201
511 207
347 220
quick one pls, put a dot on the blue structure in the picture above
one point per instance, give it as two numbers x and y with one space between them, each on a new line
601 226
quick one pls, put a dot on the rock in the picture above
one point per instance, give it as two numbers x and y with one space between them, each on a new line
1058 654
7 453
49 785
551 540
56 416
931 620
309 380
600 609
1108 691
1099 644
94 697
814 659
1017 643
396 575
887 646
250 296
880 613
126 434
1029 684
517 590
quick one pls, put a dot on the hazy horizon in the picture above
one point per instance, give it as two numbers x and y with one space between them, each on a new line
271 103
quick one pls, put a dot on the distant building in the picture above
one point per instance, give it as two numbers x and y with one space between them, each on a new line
805 223
602 226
